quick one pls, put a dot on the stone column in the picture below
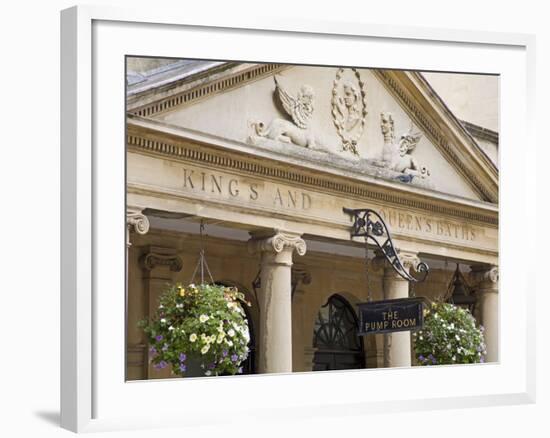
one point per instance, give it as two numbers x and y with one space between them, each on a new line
159 265
136 222
300 277
397 346
484 280
275 346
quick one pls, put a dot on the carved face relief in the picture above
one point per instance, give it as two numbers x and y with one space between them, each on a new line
306 97
349 108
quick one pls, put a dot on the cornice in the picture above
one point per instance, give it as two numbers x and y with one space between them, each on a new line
453 140
187 93
193 151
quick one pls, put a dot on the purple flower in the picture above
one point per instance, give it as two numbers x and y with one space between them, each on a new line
153 350
433 360
240 370
234 358
183 367
481 359
224 353
162 364
211 366
422 358
158 337
183 357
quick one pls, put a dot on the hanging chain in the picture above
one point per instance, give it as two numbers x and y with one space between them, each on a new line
201 263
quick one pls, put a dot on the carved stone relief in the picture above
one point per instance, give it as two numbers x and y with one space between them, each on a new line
397 156
299 109
349 108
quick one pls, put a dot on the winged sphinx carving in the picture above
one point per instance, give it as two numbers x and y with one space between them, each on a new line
299 109
397 156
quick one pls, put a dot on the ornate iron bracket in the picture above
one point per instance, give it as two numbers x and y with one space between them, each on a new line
369 224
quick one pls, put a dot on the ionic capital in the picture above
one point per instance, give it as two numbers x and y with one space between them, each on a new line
136 221
158 257
408 260
484 277
277 242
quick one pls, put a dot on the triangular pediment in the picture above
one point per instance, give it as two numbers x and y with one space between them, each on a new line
353 119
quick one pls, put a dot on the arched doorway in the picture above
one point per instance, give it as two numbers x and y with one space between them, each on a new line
335 337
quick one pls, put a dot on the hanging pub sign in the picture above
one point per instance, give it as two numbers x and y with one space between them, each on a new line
391 316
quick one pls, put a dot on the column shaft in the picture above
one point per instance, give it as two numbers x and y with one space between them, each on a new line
275 346
485 282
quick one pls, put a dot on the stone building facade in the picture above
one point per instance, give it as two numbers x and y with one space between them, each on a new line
266 156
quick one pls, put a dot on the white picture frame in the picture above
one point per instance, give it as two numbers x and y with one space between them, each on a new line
93 397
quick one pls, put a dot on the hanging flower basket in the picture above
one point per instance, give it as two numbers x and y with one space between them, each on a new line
205 322
449 336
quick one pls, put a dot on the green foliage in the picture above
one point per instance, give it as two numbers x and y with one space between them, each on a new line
449 336
205 322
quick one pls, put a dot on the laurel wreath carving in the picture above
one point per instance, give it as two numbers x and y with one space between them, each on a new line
349 135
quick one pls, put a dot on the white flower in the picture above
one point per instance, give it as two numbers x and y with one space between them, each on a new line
454 358
161 306
231 332
213 338
163 321
208 373
228 342
193 337
203 318
170 328
420 337
205 349
457 337
192 285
